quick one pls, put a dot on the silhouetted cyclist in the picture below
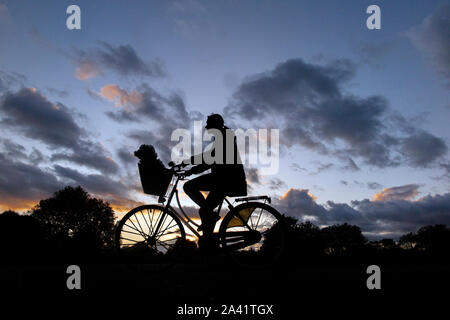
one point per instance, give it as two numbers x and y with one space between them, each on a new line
227 178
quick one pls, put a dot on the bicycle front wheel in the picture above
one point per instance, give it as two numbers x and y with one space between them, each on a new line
150 235
254 234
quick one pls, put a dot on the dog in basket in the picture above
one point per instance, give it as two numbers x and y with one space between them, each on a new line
148 158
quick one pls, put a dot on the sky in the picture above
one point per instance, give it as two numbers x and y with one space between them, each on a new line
362 114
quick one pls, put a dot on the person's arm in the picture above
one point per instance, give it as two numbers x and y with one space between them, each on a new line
197 159
199 168
199 164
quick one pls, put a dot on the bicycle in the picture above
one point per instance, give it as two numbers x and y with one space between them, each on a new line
253 232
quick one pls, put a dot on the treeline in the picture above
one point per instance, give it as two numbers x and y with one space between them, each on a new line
73 225
308 241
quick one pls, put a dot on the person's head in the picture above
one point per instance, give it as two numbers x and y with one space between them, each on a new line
214 121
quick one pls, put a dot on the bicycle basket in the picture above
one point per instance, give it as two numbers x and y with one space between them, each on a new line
155 181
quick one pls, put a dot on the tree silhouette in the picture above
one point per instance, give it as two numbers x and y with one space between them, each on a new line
433 238
342 237
407 241
305 239
73 218
21 237
387 243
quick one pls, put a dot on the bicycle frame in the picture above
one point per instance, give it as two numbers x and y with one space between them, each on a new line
184 218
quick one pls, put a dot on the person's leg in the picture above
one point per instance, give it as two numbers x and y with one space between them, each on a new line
214 198
206 182
193 187
207 214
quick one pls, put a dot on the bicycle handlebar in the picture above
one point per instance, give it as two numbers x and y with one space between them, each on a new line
177 168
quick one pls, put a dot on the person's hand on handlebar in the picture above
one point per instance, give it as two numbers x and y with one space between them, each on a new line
188 173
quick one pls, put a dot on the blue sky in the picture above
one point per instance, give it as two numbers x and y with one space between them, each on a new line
207 54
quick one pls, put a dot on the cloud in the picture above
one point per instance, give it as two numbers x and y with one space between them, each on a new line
162 113
372 53
374 185
13 150
406 192
95 183
275 184
32 114
10 80
393 216
112 190
311 106
350 164
16 151
121 97
135 104
59 93
89 154
432 36
297 167
252 175
126 155
23 184
87 69
299 199
24 181
144 103
322 167
161 142
121 59
446 167
423 148
37 118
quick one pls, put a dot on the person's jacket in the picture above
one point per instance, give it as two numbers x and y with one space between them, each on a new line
230 177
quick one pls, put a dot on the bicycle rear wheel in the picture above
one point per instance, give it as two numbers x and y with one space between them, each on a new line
140 243
254 234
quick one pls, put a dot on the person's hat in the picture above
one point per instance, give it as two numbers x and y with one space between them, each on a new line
214 121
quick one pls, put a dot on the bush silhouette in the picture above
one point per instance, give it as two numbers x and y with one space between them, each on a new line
407 241
304 240
21 237
342 238
433 239
76 221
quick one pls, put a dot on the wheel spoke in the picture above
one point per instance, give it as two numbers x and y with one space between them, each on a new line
145 219
140 232
137 220
159 222
131 240
259 217
151 220
263 219
132 232
167 228
135 233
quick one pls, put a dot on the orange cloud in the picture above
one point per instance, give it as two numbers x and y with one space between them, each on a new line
121 97
406 192
87 69
291 190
